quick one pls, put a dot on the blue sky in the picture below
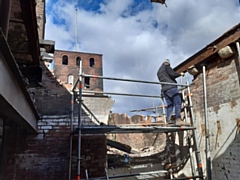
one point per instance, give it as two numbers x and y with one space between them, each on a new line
135 36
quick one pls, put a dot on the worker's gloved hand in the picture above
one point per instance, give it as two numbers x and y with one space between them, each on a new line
182 73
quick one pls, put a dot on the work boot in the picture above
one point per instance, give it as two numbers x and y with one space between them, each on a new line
180 122
170 122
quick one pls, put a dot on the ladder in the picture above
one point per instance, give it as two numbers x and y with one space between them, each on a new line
191 134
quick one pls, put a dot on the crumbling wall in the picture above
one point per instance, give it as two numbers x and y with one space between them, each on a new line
223 100
148 152
46 155
52 98
137 141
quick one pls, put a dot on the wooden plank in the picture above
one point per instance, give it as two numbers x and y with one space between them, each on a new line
123 147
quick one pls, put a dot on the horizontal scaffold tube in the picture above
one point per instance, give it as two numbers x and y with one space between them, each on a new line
121 94
132 80
105 129
145 173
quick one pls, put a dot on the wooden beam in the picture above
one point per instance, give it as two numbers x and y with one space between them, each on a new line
211 49
123 147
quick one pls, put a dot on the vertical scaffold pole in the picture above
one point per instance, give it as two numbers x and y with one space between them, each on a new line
168 144
207 141
188 134
71 136
197 151
79 122
164 110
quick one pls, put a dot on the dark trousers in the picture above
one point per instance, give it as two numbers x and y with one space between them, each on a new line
173 100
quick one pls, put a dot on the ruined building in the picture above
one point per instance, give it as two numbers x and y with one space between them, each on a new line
220 60
36 109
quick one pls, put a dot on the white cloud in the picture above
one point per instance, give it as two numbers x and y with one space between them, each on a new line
134 44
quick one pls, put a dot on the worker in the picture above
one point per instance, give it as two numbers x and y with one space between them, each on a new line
170 92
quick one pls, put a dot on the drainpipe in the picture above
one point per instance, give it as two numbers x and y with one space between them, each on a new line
207 140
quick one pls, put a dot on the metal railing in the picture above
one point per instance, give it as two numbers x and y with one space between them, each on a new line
80 94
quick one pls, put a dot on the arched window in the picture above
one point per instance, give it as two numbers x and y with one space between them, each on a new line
91 62
65 60
70 79
78 59
87 82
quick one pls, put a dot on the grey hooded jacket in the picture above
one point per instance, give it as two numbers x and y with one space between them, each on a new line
167 74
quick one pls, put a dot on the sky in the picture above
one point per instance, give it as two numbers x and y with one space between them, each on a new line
135 36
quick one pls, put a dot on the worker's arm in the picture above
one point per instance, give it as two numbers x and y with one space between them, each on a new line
172 73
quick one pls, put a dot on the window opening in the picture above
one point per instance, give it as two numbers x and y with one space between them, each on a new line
70 79
78 59
91 62
65 60
87 82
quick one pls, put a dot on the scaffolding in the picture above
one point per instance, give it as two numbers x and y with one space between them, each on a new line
106 129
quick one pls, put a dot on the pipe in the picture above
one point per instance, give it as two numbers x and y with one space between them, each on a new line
188 133
197 152
164 110
79 122
71 138
132 80
123 94
238 49
207 140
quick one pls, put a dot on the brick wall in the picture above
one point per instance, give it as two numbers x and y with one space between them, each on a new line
52 98
62 71
46 155
137 140
223 99
41 19
100 106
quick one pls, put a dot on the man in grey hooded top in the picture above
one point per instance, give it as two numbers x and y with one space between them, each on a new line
170 92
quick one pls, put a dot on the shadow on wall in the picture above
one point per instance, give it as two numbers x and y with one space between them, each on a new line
226 165
52 98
